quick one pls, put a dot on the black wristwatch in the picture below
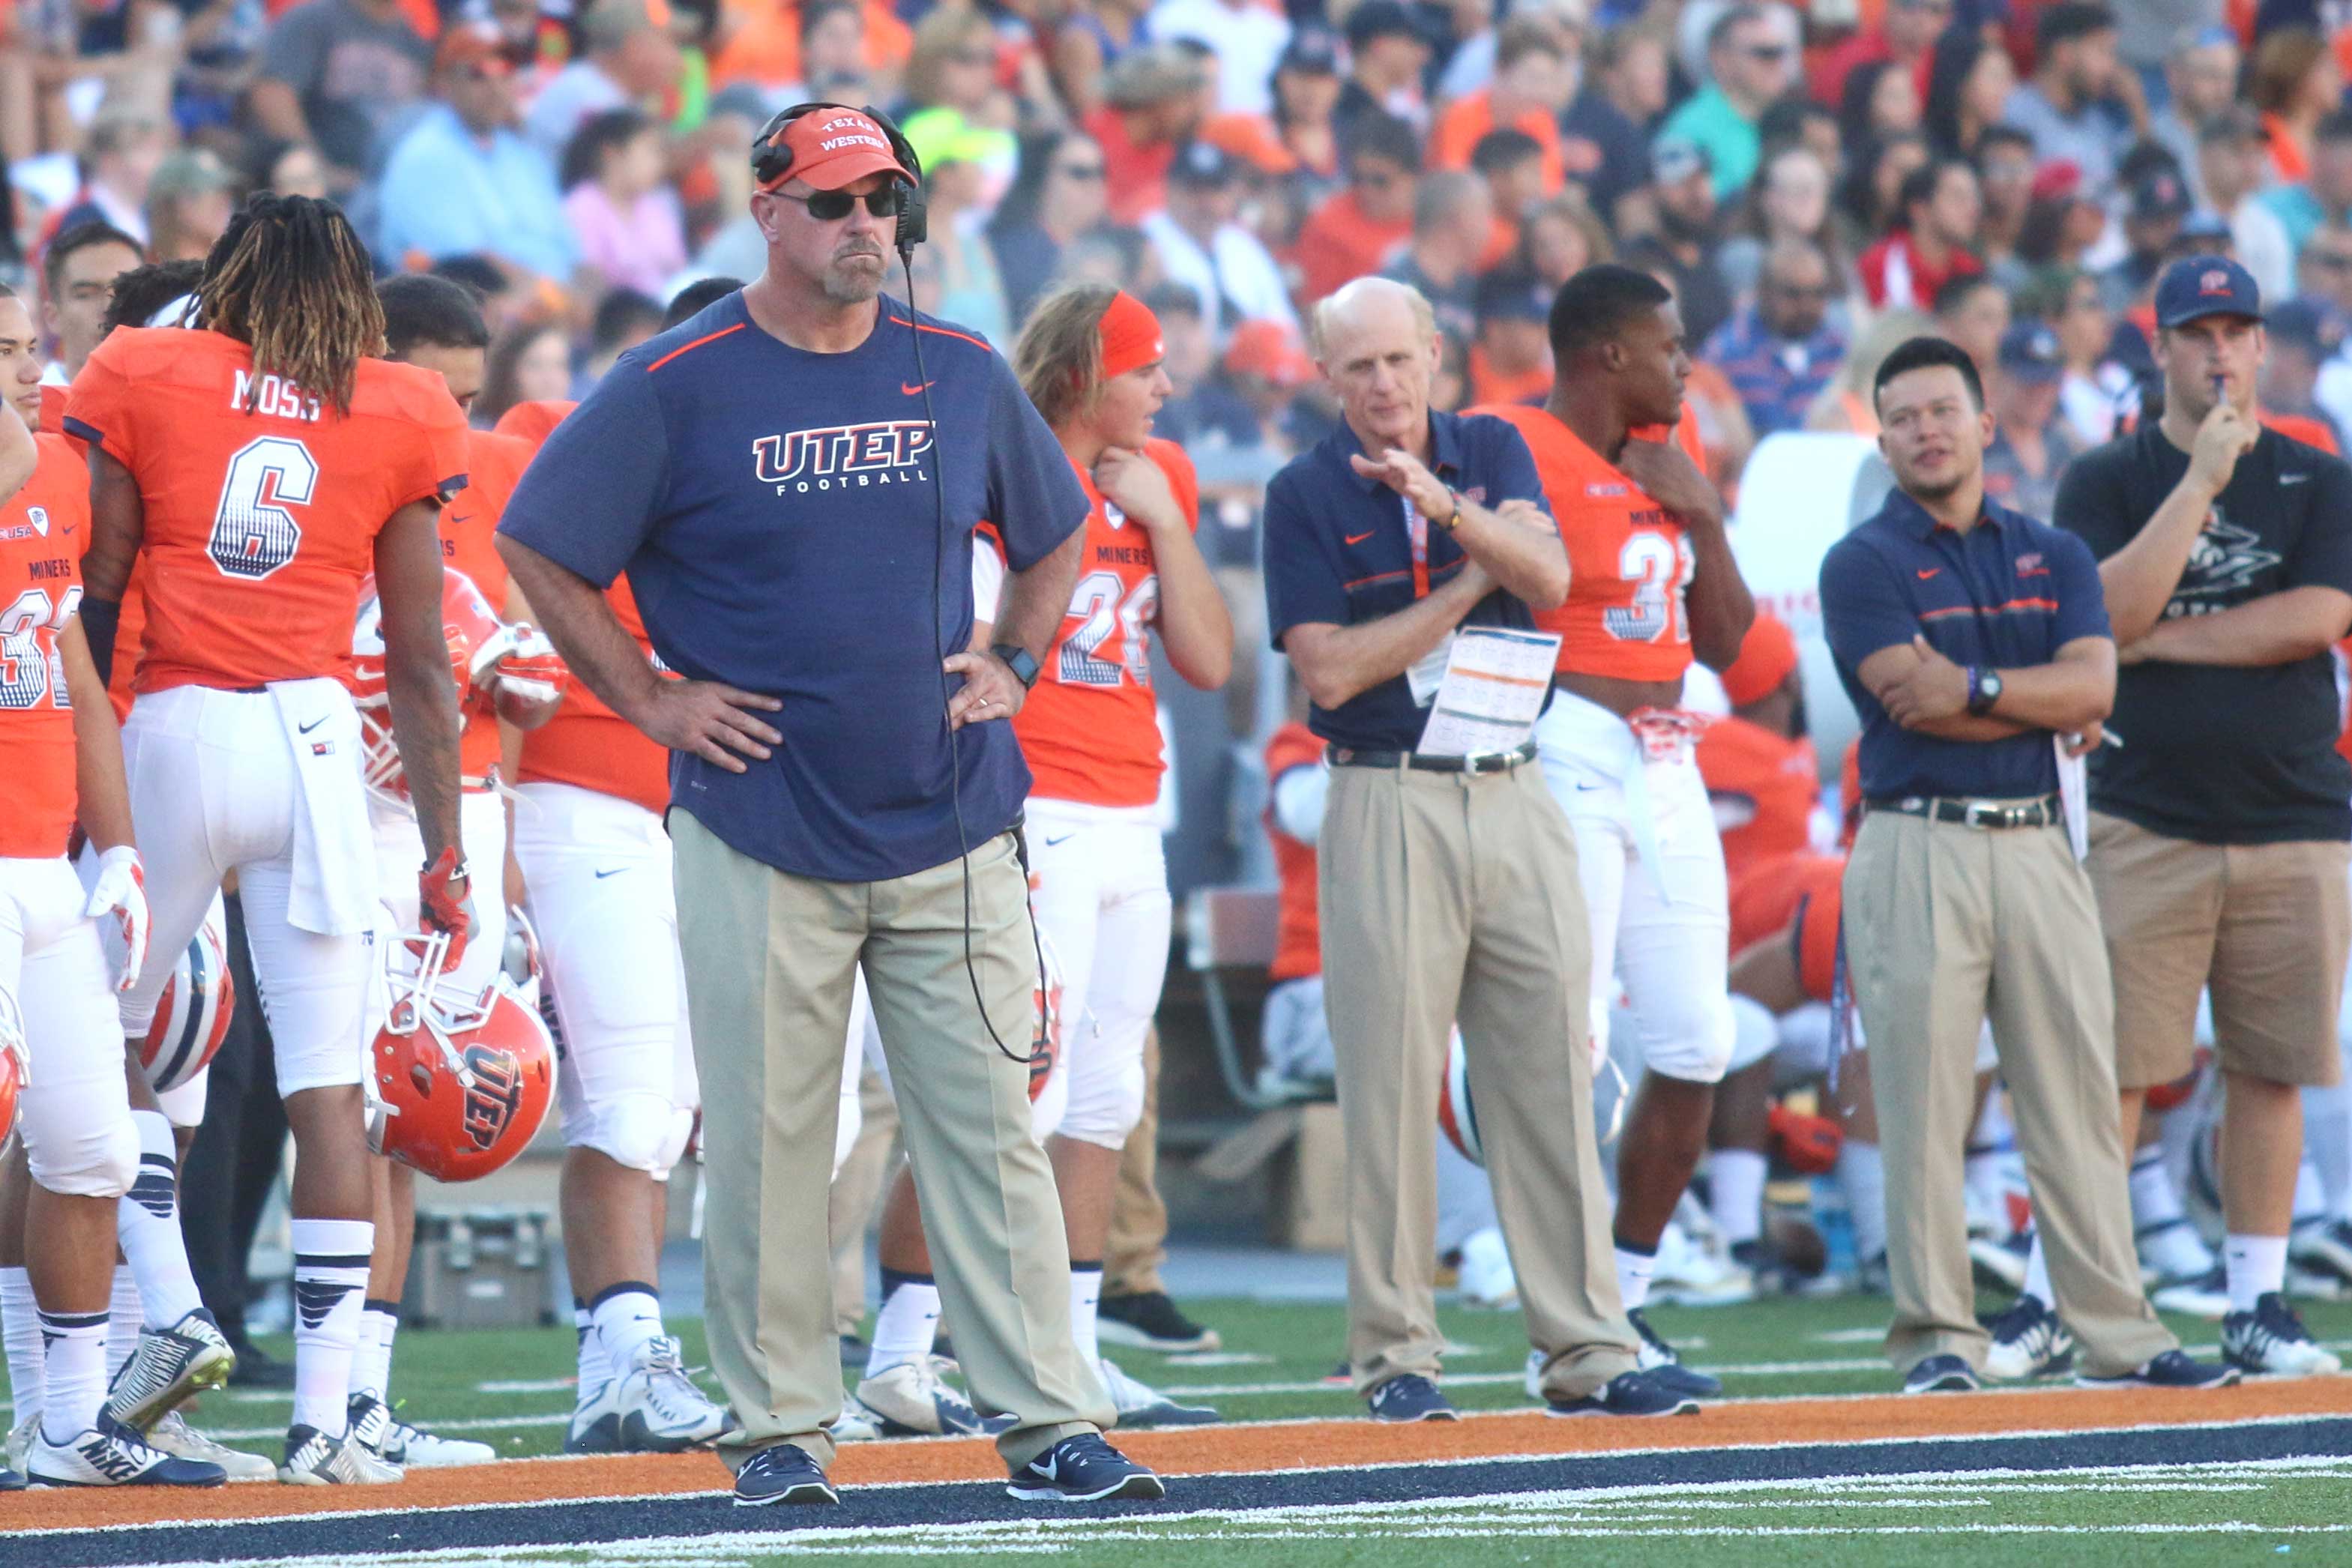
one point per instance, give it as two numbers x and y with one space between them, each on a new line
1984 690
1019 660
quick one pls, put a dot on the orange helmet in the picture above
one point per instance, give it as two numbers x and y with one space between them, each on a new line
192 1016
477 639
457 1085
1045 1005
1456 1117
16 1064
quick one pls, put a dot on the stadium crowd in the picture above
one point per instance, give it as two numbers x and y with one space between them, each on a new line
537 190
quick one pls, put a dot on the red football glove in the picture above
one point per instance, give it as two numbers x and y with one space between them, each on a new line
1809 1144
444 905
535 673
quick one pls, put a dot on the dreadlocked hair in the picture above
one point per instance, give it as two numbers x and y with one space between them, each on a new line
290 278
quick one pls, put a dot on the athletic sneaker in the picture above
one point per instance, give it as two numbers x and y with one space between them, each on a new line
910 1400
662 1412
10 1480
1409 1396
395 1442
2272 1339
1084 1468
1627 1393
1149 1320
2002 1264
1941 1374
2205 1295
170 1366
2171 1249
20 1439
315 1459
2173 1369
854 1426
596 1421
1485 1276
2323 1248
112 1455
1660 1364
175 1436
1139 1405
2028 1341
781 1473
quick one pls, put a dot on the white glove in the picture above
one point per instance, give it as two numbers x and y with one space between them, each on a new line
121 890
533 672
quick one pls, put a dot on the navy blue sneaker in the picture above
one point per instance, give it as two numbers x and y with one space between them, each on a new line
2173 1369
781 1473
1411 1398
1941 1374
10 1481
1084 1468
1627 1393
1659 1362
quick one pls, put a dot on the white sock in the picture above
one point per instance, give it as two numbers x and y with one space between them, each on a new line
2310 1206
908 1325
2037 1274
1633 1271
147 1224
2327 1144
124 1313
372 1358
595 1372
2154 1199
627 1317
1086 1292
2256 1266
331 1274
1736 1194
74 1370
20 1328
1862 1175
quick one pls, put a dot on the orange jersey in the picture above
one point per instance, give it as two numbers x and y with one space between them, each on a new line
131 623
1802 892
530 422
1630 562
1764 787
42 529
1299 932
469 526
260 524
1090 730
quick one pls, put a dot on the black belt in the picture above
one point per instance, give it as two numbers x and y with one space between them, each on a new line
2043 813
1476 762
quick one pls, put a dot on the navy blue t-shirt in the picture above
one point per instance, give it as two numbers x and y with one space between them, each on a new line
1338 550
777 513
2007 594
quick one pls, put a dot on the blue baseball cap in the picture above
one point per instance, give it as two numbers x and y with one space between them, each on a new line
2199 286
2029 351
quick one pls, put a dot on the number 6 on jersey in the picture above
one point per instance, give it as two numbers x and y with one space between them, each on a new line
253 533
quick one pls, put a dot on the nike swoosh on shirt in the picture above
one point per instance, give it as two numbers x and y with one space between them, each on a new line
1357 537
911 388
2283 479
1928 573
613 872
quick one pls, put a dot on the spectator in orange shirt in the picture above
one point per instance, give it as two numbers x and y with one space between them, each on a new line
1357 230
1531 87
1152 104
1510 360
797 51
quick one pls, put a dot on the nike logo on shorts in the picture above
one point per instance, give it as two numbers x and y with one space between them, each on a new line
613 872
1065 838
313 725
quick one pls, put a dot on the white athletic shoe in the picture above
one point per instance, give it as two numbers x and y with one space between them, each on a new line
2028 1341
2173 1251
112 1455
173 1436
170 1366
315 1459
596 1421
855 1426
2272 1339
1693 1274
395 1442
20 1440
911 1400
2205 1295
661 1411
1140 1407
2325 1247
1486 1276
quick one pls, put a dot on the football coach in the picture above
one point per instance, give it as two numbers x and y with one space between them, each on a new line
844 786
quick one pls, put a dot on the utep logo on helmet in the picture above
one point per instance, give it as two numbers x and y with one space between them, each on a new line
843 457
495 1095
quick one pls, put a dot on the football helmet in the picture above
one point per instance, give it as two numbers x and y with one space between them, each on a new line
1046 1009
1456 1117
457 1084
192 1016
476 640
16 1064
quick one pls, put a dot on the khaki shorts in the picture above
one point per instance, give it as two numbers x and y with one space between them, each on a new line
2263 926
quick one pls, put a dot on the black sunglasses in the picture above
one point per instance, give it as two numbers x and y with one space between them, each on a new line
832 206
1080 171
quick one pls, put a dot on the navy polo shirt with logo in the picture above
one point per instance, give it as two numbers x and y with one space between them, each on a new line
777 512
2006 595
1338 549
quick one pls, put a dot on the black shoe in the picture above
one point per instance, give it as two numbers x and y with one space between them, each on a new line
1149 1320
1628 1394
1662 1366
1084 1468
1941 1374
781 1473
257 1368
1411 1398
2173 1369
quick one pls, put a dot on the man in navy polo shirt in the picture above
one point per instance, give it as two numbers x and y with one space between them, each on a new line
797 532
1969 636
1449 886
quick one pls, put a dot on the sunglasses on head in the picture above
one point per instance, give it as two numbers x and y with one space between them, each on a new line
832 206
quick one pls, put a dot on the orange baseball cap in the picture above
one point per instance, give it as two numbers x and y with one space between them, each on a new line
836 146
1269 348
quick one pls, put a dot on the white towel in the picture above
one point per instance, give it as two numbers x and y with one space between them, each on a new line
334 853
2074 797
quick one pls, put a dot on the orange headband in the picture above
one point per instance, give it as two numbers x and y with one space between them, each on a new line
1130 335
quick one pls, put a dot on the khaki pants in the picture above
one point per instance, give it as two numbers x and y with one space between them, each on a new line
769 958
1139 1216
1446 896
1946 924
856 1194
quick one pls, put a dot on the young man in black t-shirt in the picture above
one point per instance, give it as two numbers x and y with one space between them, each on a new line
2222 827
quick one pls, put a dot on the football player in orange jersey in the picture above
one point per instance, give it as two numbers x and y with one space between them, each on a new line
257 469
1653 583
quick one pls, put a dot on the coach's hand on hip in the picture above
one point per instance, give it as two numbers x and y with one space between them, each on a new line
713 721
990 689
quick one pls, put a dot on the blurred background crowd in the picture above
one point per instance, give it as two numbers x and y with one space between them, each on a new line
1814 182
